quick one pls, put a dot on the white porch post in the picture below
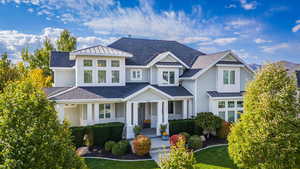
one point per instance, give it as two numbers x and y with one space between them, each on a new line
190 107
159 117
96 115
184 107
129 127
166 115
89 113
61 112
135 113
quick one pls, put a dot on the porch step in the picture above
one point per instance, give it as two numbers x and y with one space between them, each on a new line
156 154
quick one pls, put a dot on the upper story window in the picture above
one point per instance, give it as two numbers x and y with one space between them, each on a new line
115 63
136 74
101 63
88 76
115 76
168 77
87 63
228 77
101 76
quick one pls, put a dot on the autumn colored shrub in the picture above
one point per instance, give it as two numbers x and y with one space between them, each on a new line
175 138
141 145
224 130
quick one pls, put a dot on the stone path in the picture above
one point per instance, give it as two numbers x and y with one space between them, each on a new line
159 147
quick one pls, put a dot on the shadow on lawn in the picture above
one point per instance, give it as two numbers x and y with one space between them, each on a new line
214 158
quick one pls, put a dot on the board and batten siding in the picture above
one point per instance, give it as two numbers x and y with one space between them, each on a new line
64 77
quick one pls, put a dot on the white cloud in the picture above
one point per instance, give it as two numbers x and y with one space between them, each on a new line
231 6
259 40
274 48
195 39
297 27
220 41
248 5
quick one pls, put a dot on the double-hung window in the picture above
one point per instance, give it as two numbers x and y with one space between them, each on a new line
105 111
168 77
228 77
88 76
136 74
101 76
115 76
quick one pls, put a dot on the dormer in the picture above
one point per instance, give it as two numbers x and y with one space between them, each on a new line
99 66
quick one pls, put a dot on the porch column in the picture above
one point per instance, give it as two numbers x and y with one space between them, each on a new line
96 114
166 115
60 112
129 128
135 113
89 113
184 107
159 117
190 107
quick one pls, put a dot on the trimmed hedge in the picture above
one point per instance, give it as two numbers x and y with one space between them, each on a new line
101 133
184 125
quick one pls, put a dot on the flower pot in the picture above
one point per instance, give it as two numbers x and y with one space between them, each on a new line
165 137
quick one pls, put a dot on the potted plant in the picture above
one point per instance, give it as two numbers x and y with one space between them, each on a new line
164 136
163 132
137 130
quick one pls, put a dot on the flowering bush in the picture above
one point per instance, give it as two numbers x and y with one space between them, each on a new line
141 145
175 138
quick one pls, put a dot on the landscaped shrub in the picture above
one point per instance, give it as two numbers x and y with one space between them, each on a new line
119 149
208 122
141 145
185 125
77 134
101 133
126 142
224 130
186 135
178 158
109 145
176 138
195 142
137 130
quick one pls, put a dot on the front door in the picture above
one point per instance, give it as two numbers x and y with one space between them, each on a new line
141 114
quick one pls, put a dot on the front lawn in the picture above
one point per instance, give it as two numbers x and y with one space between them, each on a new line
109 164
214 158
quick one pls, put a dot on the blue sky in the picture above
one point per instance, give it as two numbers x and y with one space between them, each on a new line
257 31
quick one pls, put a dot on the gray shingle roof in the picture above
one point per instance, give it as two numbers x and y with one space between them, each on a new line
206 60
61 59
231 94
190 72
113 92
144 50
54 90
229 62
169 63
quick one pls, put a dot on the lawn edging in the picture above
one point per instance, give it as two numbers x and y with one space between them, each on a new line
217 145
114 159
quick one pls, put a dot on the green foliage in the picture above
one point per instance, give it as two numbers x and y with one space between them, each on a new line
137 130
224 130
120 148
89 138
78 135
40 58
186 135
30 134
101 133
179 158
109 145
267 135
185 125
66 42
208 121
126 142
195 142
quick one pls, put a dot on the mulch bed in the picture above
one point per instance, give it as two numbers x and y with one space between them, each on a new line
97 152
213 140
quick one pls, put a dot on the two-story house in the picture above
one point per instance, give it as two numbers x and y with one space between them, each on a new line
137 80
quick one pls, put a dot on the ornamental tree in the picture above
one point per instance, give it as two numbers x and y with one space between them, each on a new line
208 122
267 135
30 133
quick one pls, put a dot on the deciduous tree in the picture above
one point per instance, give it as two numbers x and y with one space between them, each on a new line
267 135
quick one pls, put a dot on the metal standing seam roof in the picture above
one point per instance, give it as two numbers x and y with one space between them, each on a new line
100 50
225 94
111 92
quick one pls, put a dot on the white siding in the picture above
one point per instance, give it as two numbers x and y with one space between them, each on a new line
145 75
64 78
246 76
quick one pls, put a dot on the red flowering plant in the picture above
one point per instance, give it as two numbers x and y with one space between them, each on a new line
176 138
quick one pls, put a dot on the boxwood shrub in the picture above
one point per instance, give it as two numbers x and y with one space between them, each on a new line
184 125
101 133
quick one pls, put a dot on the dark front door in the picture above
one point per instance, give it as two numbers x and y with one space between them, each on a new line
141 114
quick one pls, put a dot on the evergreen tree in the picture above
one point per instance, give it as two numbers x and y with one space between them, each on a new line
66 42
30 133
267 135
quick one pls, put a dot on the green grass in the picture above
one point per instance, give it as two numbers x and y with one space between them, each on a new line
109 164
214 158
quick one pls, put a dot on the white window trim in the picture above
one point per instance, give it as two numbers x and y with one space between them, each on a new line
168 82
229 76
136 70
227 109
111 112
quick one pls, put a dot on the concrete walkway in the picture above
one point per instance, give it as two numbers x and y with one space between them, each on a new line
159 148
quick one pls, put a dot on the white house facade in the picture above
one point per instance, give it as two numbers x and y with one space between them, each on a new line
138 81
